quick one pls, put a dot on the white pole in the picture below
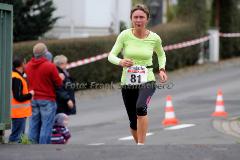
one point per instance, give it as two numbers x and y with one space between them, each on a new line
117 23
213 45
164 12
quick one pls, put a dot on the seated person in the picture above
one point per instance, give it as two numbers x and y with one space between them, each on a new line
60 132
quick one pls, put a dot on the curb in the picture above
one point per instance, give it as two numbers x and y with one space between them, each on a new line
228 126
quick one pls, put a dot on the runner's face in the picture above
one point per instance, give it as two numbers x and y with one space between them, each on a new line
139 19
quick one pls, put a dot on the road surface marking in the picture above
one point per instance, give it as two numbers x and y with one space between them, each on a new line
96 144
131 137
181 126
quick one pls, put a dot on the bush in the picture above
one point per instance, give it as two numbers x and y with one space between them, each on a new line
176 32
194 12
229 23
104 72
76 49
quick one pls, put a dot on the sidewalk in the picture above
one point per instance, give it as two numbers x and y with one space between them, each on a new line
228 126
121 152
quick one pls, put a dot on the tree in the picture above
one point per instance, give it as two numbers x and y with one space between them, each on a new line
32 18
7 1
195 11
227 14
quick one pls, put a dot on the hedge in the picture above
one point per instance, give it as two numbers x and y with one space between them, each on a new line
76 49
229 23
104 72
177 32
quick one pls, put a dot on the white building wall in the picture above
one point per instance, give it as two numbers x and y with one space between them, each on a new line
124 11
83 18
98 14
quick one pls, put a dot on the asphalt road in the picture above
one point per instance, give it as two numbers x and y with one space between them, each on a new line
122 152
102 119
100 129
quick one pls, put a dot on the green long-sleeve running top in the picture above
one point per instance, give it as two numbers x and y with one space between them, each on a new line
140 51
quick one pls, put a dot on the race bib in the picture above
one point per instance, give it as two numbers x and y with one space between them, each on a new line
136 75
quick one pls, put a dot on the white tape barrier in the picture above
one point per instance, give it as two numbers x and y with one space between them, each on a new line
186 44
229 35
87 60
166 48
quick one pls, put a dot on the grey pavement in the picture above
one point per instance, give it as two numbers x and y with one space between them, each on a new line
101 122
102 119
159 152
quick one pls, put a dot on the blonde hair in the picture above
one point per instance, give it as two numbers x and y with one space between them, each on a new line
141 7
60 59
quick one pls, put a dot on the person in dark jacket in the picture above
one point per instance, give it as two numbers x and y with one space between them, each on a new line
65 95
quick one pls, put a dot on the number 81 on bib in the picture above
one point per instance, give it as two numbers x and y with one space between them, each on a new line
136 75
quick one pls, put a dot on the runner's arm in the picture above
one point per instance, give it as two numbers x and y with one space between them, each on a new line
160 54
117 48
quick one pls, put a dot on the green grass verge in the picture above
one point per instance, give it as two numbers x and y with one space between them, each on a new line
25 139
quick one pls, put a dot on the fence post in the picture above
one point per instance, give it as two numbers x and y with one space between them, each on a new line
213 45
6 30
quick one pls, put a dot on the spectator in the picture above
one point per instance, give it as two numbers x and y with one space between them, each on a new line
60 132
49 56
65 94
21 107
43 78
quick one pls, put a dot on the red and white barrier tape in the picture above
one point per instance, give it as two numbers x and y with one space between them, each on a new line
186 44
229 35
87 60
166 48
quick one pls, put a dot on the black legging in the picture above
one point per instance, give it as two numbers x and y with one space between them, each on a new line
136 99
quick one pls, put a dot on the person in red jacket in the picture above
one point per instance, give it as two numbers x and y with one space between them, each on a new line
43 78
20 102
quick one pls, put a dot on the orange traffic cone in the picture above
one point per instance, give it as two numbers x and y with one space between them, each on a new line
170 118
220 109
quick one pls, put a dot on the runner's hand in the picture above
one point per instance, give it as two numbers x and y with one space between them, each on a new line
163 76
126 63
